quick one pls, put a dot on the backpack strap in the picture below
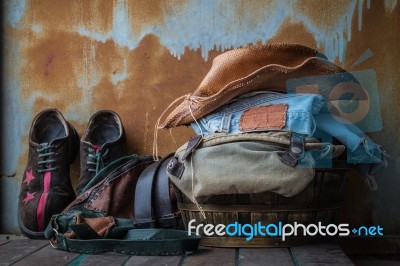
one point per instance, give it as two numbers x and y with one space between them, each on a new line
152 205
145 242
165 214
142 209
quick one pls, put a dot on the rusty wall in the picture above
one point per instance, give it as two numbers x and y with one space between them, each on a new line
136 57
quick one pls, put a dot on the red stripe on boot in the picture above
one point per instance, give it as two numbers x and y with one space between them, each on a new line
42 201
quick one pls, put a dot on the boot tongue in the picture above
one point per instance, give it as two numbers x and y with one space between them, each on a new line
55 141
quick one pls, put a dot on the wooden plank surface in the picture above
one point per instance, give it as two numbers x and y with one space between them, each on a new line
39 252
211 257
372 260
3 241
154 260
16 250
47 256
370 245
109 258
265 256
321 254
377 262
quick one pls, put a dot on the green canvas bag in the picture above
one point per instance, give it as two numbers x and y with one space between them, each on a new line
274 161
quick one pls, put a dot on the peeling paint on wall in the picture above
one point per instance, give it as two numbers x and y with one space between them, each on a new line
37 28
11 138
121 31
211 24
14 10
390 5
367 54
118 77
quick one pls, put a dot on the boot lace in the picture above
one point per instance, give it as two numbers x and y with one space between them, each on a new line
95 160
46 154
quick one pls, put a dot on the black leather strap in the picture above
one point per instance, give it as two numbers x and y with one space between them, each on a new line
152 206
163 209
143 197
192 145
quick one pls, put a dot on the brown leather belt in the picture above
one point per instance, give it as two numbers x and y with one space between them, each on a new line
153 206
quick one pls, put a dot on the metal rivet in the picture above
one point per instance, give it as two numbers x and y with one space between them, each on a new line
296 150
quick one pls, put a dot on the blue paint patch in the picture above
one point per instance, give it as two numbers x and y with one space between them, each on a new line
73 114
342 50
367 54
390 5
121 31
118 77
16 116
331 38
360 11
207 25
15 128
37 28
14 10
93 35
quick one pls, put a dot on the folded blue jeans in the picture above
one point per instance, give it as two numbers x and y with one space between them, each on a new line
283 112
360 148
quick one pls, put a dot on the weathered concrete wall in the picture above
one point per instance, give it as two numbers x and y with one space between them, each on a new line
136 57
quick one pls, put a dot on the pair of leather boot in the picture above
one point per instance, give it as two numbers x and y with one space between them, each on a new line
46 187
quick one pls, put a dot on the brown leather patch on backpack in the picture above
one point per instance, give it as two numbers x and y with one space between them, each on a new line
265 117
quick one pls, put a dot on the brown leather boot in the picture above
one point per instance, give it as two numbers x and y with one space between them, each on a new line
103 142
46 186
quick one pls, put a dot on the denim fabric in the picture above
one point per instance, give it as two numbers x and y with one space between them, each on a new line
361 149
299 116
305 113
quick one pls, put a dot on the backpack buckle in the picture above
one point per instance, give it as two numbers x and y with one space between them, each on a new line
295 152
